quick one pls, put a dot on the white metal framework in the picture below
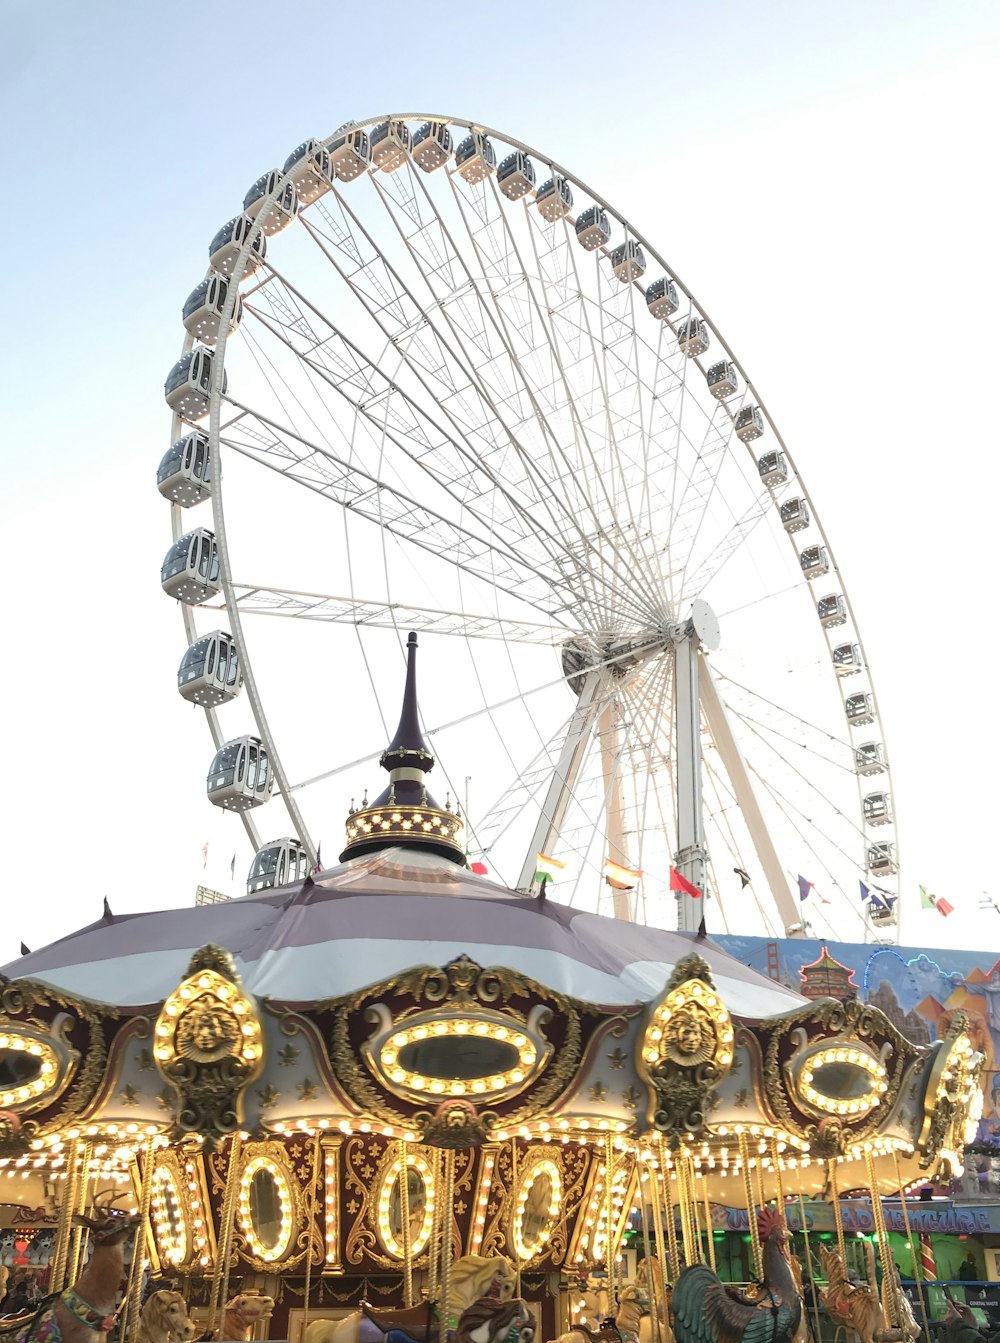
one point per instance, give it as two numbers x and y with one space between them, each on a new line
455 402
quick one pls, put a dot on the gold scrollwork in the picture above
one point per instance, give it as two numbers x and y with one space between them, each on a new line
208 1045
953 1098
684 1050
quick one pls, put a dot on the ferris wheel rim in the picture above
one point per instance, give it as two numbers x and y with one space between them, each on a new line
217 401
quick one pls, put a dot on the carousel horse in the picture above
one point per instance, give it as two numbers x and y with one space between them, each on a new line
625 1328
851 1304
649 1278
164 1319
85 1312
490 1320
472 1276
242 1313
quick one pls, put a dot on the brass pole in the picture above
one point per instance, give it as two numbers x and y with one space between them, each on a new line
404 1217
808 1269
835 1192
434 1248
73 1267
131 1329
675 1264
446 1245
311 1227
650 1259
658 1224
890 1287
708 1222
693 1204
227 1215
918 1268
779 1189
65 1225
758 1260
513 1204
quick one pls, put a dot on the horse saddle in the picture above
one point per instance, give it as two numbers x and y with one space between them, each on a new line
608 1333
417 1323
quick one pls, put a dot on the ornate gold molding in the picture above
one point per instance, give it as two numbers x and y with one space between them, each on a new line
208 1046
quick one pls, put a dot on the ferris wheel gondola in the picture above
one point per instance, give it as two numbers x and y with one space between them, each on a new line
499 392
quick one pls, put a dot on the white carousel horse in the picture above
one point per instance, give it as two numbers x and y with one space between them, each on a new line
164 1319
472 1276
649 1278
631 1308
243 1312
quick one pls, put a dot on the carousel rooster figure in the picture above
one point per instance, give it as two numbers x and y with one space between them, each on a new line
707 1311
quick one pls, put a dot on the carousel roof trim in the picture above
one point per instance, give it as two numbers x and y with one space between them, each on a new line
375 917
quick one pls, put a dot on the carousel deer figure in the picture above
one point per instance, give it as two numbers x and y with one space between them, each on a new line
85 1312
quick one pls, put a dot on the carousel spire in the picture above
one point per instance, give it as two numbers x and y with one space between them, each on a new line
405 815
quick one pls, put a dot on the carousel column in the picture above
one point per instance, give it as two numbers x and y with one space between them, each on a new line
434 1248
758 1259
918 1268
837 1220
609 1239
446 1242
227 1216
130 1325
65 1225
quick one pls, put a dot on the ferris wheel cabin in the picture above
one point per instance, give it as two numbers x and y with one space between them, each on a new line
628 261
190 569
593 228
516 175
202 312
310 171
692 337
391 143
280 212
278 863
188 384
831 611
773 469
225 247
869 758
882 860
815 561
350 152
210 673
431 148
795 515
475 158
661 298
241 776
847 659
860 709
749 424
184 475
722 381
554 198
877 809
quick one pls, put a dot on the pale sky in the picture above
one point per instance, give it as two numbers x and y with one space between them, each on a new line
822 177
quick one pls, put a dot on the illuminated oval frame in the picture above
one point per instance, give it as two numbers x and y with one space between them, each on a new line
36 1091
395 1169
173 1246
841 1051
286 1201
534 1053
548 1167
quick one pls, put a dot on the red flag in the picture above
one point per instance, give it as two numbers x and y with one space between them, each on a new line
480 869
943 906
679 883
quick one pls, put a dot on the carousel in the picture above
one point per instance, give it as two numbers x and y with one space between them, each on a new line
398 1099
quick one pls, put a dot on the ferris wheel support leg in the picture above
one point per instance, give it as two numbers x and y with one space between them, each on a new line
690 857
611 750
567 770
746 798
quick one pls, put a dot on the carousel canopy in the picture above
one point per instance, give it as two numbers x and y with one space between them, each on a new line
377 916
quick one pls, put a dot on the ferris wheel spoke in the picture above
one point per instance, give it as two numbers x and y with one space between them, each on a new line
254 599
434 356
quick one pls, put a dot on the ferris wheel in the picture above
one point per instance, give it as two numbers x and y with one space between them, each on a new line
431 381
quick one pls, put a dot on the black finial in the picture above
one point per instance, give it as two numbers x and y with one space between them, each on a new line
107 909
408 746
25 950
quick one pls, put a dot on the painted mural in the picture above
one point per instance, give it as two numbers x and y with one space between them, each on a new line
919 991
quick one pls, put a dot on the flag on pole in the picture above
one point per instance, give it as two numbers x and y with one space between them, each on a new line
866 893
204 854
232 868
480 869
743 876
318 865
547 869
804 887
681 883
620 878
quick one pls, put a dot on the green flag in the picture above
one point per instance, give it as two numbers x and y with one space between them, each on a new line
927 901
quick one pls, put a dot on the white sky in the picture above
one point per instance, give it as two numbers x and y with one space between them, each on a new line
822 177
